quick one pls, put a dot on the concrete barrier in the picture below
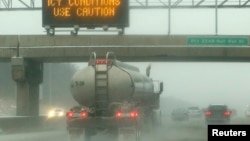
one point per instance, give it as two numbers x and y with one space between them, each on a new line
21 123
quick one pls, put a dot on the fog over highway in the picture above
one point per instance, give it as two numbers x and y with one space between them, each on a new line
193 130
193 83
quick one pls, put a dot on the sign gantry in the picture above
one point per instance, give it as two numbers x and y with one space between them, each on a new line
118 23
88 14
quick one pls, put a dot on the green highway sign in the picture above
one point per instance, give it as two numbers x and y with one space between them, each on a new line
217 41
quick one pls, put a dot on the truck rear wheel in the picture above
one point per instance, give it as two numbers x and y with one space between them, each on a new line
130 133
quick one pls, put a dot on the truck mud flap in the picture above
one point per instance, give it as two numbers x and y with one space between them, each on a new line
78 134
131 134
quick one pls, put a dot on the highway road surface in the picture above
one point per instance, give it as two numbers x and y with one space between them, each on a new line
191 130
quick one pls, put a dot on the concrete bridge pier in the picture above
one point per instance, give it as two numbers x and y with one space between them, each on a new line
28 75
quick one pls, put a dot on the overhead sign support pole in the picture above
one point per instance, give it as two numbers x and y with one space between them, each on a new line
216 17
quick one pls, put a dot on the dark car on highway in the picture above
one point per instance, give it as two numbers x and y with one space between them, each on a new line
218 114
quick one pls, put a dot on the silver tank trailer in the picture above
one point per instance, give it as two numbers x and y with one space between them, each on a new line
125 82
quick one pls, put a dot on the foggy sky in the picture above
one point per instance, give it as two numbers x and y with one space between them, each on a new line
183 21
200 83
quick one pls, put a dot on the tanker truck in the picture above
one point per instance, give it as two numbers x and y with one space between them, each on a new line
114 98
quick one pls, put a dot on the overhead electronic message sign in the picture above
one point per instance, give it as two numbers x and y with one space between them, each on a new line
85 13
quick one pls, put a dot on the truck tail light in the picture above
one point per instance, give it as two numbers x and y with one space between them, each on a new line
84 114
70 114
101 61
118 114
133 114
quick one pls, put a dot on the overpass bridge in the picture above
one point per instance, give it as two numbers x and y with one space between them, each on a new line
141 48
34 50
27 53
